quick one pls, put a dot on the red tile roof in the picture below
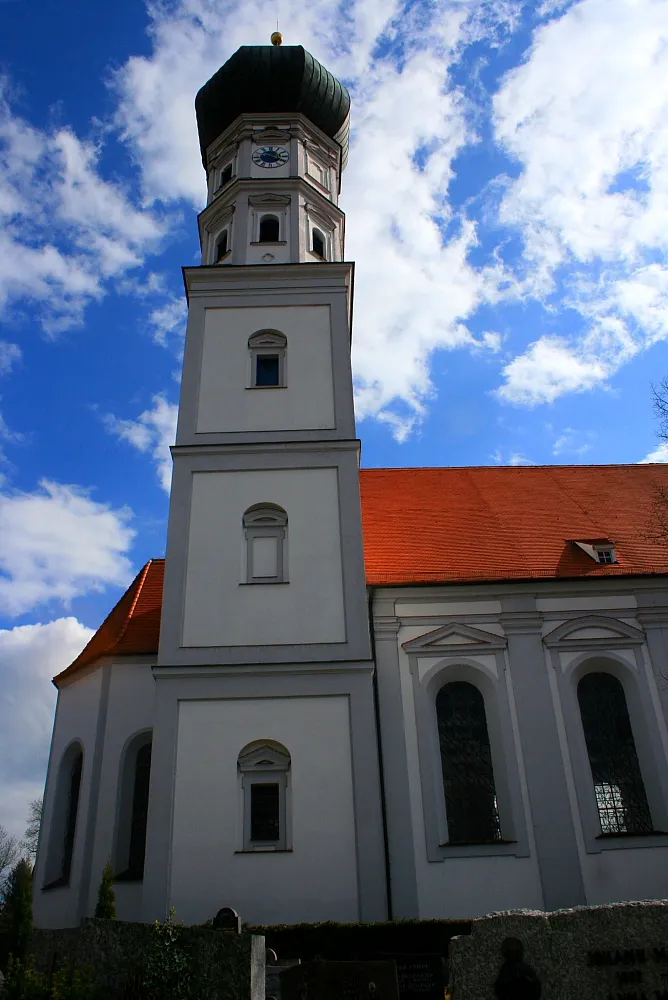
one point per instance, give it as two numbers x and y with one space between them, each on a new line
456 526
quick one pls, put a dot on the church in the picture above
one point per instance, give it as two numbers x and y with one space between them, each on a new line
352 694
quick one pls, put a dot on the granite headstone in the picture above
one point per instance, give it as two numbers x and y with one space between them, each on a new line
227 920
340 981
613 952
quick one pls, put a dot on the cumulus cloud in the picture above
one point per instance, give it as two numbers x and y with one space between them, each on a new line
415 287
64 230
59 543
659 454
30 655
499 457
548 368
573 442
587 119
152 433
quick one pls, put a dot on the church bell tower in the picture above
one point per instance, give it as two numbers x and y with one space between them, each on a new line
265 791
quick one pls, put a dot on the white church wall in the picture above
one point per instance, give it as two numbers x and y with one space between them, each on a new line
462 888
317 878
307 399
129 712
221 609
76 720
629 873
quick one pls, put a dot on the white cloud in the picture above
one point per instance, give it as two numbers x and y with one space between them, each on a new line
510 458
30 655
548 368
58 543
64 230
573 442
10 354
415 288
587 118
153 432
168 322
660 454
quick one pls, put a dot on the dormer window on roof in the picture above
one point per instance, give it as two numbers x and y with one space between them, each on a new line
601 550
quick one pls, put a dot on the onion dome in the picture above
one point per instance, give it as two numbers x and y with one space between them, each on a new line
277 79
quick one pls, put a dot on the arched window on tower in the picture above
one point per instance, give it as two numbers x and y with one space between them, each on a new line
264 775
466 761
222 245
618 785
319 244
64 818
132 816
265 531
269 229
267 359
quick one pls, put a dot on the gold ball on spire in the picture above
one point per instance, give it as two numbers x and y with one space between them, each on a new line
276 38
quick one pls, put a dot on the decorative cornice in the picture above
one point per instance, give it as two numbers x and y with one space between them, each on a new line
652 617
386 628
521 622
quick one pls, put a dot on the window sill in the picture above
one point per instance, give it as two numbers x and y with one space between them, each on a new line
58 883
222 259
253 387
269 243
267 850
128 876
626 841
477 843
255 583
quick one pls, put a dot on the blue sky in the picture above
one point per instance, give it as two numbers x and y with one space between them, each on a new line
507 209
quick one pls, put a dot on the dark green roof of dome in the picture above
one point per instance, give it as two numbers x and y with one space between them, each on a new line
273 78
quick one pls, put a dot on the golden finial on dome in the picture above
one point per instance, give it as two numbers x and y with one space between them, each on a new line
276 38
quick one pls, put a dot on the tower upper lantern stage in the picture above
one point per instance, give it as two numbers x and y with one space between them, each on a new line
281 79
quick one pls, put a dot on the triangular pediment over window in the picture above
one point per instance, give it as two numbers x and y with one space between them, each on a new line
594 631
455 637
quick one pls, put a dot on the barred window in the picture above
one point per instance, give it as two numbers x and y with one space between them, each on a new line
618 785
466 761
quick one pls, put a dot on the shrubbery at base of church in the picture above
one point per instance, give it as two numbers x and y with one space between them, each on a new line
106 897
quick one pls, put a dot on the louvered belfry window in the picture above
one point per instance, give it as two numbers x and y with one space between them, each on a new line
618 785
466 761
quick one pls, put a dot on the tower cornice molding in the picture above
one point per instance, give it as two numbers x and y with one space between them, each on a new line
291 126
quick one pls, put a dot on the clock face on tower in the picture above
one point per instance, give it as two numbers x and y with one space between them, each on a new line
270 156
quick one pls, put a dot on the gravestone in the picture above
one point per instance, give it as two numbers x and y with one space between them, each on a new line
227 920
257 967
340 981
613 952
420 977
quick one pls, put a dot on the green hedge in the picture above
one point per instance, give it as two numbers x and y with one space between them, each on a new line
360 942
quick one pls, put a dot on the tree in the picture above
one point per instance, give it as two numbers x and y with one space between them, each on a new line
9 855
31 836
17 909
106 898
660 519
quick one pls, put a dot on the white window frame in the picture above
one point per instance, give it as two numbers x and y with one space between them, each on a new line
267 342
266 520
260 763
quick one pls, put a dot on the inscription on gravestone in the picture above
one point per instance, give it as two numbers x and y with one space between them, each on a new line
420 977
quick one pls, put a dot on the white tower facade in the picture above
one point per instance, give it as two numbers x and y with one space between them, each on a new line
265 789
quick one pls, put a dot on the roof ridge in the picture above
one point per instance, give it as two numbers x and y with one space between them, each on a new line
537 465
140 583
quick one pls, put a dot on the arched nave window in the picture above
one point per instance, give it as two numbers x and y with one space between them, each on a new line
466 761
618 785
133 808
265 528
64 818
264 772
